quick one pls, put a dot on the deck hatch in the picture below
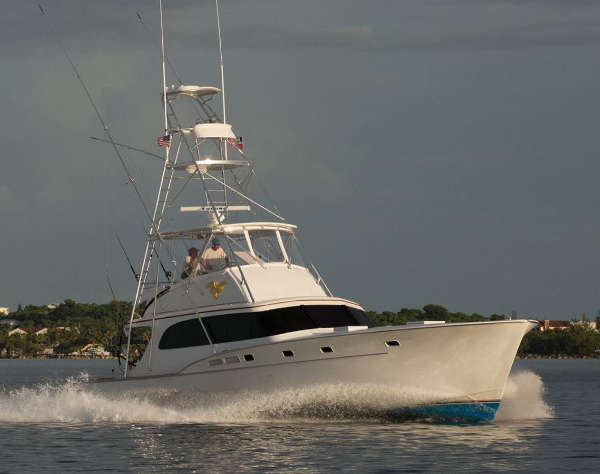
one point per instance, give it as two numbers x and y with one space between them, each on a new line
215 362
232 360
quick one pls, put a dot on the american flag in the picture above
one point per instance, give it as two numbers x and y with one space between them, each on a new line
164 140
237 143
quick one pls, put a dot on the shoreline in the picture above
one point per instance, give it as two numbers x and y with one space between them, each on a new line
82 357
560 356
66 356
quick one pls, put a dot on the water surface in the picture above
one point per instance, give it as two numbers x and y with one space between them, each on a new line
548 422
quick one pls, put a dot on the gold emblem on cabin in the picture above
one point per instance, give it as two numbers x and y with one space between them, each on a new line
216 288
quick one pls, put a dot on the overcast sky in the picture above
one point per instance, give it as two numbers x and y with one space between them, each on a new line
430 151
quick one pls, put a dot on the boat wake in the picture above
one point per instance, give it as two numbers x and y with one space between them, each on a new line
524 398
70 402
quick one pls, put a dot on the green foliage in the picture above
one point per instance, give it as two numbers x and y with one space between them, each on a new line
88 323
577 340
430 312
103 323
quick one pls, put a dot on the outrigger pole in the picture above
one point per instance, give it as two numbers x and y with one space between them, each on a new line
148 252
103 123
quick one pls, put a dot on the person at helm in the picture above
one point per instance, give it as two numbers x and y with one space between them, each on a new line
192 264
214 258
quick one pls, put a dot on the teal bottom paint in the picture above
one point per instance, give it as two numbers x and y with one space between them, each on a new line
477 411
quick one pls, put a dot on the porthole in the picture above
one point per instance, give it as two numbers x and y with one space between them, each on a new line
288 353
248 357
326 349
392 343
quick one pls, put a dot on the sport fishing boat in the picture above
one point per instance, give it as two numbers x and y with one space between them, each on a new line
227 302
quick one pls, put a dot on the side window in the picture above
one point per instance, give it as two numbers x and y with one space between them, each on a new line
184 334
360 316
337 316
266 246
329 316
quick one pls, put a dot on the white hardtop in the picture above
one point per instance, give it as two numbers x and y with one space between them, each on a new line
210 130
209 164
192 91
231 228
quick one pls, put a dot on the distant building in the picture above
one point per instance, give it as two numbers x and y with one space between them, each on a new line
4 310
51 306
23 331
589 324
94 350
17 332
550 325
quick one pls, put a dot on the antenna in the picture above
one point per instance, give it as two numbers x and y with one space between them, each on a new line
164 74
222 72
221 63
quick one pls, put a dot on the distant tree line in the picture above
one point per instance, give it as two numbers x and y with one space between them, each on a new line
579 340
86 322
103 324
576 341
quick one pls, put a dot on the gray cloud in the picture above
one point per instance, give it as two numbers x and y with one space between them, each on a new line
465 179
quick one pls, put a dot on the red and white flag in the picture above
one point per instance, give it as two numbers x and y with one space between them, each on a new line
237 143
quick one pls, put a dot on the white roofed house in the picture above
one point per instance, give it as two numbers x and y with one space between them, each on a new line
94 350
4 310
24 331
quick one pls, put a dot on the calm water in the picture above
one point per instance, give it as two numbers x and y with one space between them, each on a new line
549 422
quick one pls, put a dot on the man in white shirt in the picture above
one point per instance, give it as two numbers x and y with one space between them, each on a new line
214 258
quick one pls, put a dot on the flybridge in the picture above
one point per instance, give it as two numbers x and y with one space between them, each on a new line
237 228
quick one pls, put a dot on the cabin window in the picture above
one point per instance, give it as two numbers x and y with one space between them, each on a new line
266 245
326 349
291 248
288 353
183 334
242 326
332 316
248 357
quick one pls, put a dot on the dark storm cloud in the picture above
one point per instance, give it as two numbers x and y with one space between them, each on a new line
430 26
466 179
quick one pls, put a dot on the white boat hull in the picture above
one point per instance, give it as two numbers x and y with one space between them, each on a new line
452 365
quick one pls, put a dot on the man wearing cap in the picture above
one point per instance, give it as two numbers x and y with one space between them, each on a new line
214 258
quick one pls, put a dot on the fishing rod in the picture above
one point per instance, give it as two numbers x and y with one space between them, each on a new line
109 136
135 274
112 292
167 273
129 147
